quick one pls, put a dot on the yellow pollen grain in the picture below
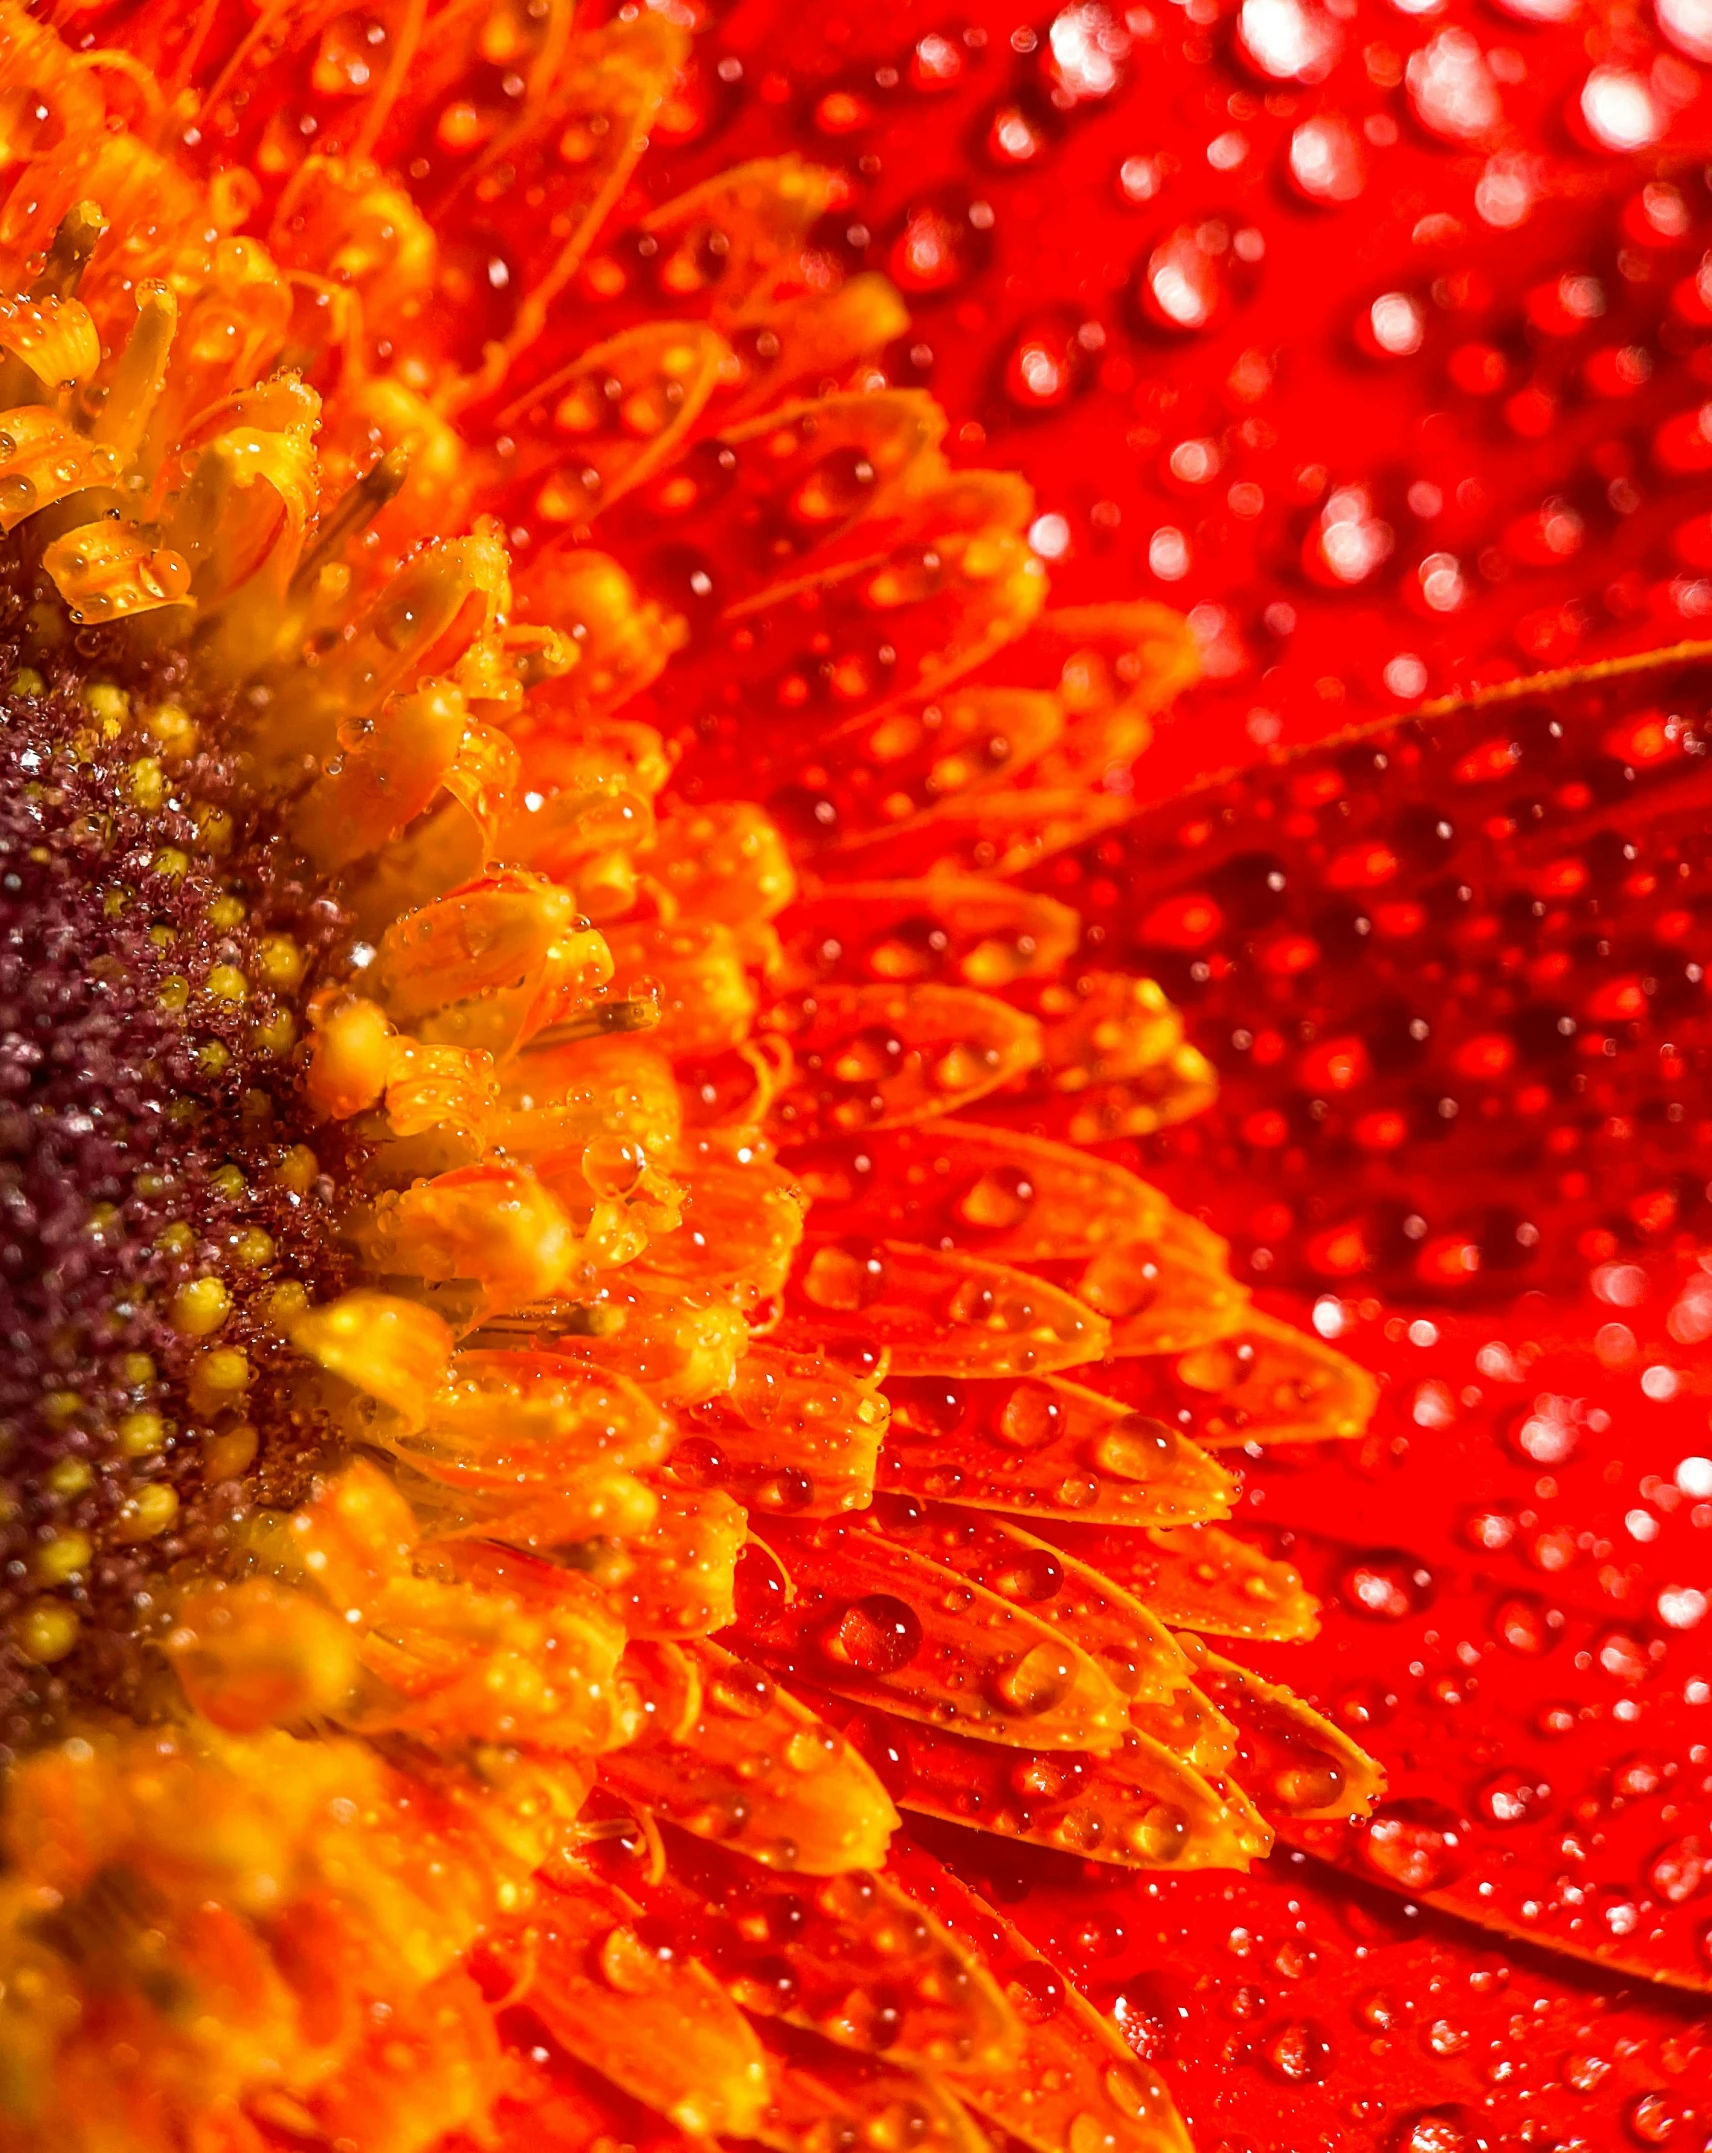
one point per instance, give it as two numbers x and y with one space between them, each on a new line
279 962
146 784
215 830
174 729
45 1632
174 992
232 1452
200 1306
115 902
227 983
286 1305
297 1170
27 681
60 1406
172 863
276 1035
71 1476
149 1512
253 1248
103 700
136 1369
63 1557
176 1239
141 1433
226 912
218 1380
228 1181
213 1056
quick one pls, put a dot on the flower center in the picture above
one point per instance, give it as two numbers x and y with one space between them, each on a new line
163 1206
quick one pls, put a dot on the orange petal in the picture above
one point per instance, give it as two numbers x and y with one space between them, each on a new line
656 2024
759 505
697 973
384 778
1139 1807
1077 2088
677 1573
1133 1648
796 1436
723 862
108 571
1158 1296
1200 1577
787 344
940 1313
828 2095
611 418
490 965
1294 1759
881 1623
494 1226
966 932
740 237
868 1969
882 772
1014 1198
877 1057
42 460
1046 1449
738 1760
396 1351
1262 1383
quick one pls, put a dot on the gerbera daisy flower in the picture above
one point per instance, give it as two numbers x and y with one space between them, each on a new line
594 1040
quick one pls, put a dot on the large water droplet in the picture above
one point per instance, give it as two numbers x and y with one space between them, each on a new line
1286 40
1415 1844
1182 287
876 1635
1327 161
1451 89
1040 1679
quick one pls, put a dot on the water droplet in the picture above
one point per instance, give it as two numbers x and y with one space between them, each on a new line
1688 25
1621 114
1031 1417
1161 1835
1434 2130
1299 2054
1415 1844
1286 40
1682 1870
1396 325
1327 161
876 1635
1451 89
1655 2119
1086 48
1384 1587
1349 542
627 1964
1036 1682
1511 1798
1182 287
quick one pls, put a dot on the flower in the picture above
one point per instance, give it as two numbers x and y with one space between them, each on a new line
550 1130
585 1012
